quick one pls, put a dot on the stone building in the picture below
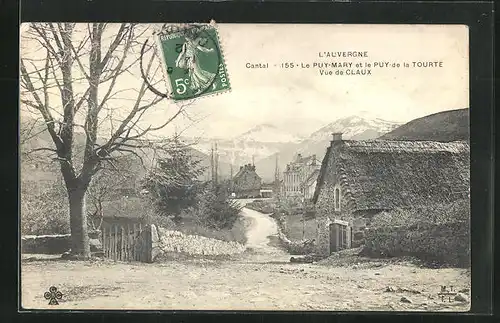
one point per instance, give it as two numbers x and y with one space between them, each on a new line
247 183
309 185
359 179
297 173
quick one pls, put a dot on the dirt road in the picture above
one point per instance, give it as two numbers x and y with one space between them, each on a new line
261 231
238 285
261 279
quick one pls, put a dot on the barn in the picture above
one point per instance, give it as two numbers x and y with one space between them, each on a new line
359 179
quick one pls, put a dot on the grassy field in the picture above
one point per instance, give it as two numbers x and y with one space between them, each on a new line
294 228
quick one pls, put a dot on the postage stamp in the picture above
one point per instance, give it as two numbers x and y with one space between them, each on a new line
193 61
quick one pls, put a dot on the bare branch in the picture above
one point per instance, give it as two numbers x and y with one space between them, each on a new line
114 76
123 150
49 120
46 42
42 149
119 36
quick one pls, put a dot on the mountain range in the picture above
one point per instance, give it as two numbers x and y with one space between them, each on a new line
265 144
353 127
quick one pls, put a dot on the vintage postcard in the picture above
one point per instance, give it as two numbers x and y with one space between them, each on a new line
311 167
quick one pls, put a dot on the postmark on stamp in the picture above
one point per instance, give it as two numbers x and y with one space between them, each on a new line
193 62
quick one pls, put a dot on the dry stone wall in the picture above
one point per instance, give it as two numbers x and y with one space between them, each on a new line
55 244
169 241
446 243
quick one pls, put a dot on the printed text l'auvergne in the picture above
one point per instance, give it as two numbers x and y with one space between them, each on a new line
343 54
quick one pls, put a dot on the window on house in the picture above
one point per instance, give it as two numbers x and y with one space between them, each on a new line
337 199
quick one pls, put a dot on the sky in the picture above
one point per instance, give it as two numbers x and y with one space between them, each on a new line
301 101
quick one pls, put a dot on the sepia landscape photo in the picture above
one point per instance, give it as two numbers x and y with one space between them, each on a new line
279 167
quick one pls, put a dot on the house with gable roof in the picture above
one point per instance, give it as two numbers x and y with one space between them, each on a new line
359 179
247 183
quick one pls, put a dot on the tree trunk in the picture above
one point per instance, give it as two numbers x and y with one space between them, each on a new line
78 223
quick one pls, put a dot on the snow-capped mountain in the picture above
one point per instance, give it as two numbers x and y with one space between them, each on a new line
263 143
355 127
268 133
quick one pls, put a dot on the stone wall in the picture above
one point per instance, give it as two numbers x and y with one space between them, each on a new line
46 244
325 204
168 241
55 244
446 243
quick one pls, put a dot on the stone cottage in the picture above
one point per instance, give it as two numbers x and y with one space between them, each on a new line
247 183
359 179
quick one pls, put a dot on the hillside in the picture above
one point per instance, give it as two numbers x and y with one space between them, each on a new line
236 152
41 167
442 126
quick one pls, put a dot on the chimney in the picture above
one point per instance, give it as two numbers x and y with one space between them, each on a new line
336 136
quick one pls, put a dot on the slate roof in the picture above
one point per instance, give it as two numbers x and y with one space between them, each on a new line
245 169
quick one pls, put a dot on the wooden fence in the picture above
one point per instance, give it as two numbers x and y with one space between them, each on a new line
126 239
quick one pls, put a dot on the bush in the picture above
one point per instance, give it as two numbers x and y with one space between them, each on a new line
44 208
267 206
304 247
215 210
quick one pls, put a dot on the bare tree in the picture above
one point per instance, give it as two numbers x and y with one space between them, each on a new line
74 85
109 185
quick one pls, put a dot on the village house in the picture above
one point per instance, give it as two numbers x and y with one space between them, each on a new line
247 183
359 179
297 176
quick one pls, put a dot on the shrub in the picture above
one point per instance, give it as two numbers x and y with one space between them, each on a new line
304 247
263 206
215 210
44 208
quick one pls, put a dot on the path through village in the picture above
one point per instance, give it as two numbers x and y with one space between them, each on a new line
263 279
